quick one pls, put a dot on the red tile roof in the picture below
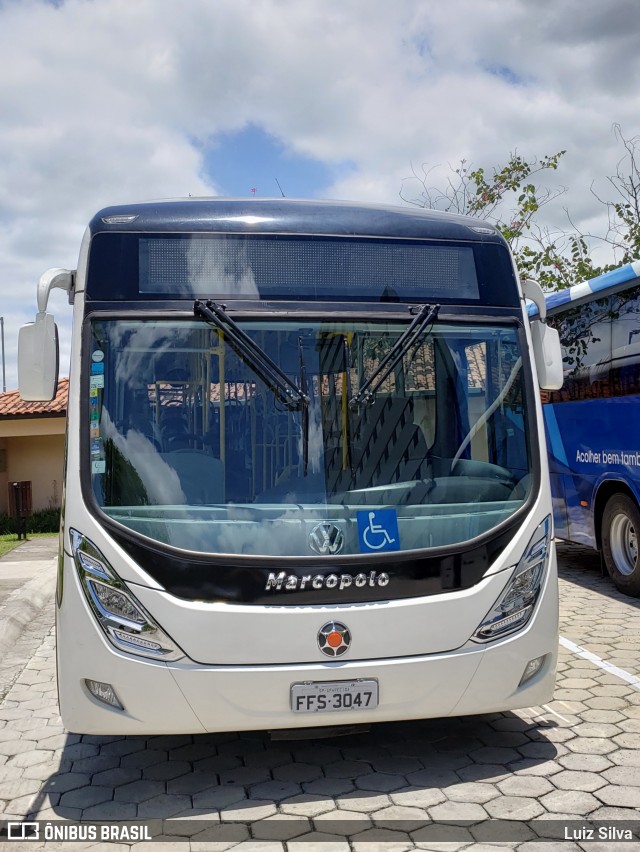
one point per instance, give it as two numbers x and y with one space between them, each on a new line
12 407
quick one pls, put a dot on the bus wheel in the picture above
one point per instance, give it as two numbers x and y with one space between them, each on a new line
620 543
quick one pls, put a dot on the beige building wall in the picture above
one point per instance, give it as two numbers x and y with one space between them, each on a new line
38 458
4 500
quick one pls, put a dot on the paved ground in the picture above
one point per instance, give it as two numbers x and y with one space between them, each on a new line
24 563
27 584
507 777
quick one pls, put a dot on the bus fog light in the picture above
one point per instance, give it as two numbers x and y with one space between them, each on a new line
532 668
516 604
125 622
103 692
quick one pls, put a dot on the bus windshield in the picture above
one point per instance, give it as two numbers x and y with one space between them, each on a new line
188 444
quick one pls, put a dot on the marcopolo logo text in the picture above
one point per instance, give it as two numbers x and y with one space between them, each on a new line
293 583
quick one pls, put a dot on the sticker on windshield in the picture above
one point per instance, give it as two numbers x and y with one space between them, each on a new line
378 530
97 355
96 381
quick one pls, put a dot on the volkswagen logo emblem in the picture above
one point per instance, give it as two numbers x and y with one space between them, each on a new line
326 538
334 639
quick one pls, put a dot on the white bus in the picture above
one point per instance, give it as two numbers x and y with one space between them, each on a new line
306 477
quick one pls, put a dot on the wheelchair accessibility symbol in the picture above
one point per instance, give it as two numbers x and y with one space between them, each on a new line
378 530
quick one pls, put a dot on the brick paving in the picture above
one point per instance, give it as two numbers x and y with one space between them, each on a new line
486 782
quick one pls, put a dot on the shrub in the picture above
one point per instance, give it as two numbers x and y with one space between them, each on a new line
44 521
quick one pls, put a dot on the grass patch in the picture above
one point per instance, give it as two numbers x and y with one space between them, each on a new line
10 540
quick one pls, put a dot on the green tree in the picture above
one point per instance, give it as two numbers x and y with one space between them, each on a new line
511 197
623 209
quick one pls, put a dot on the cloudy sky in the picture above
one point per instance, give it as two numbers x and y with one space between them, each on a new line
107 101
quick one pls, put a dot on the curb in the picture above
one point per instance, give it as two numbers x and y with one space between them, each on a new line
24 604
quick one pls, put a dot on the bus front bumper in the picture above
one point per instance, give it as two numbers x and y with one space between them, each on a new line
184 697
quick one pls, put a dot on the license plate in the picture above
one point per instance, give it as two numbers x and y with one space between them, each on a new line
334 695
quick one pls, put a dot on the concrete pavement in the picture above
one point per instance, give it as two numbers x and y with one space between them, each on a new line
27 584
24 562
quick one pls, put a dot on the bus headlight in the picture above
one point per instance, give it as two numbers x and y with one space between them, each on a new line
515 606
125 622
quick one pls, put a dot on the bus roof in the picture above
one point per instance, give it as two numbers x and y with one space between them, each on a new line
257 215
602 285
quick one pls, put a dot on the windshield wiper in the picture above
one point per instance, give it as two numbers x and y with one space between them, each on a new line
420 326
255 357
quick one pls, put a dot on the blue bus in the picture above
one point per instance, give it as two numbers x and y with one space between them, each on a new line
593 422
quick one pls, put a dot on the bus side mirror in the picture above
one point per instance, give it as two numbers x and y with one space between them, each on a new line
38 359
547 355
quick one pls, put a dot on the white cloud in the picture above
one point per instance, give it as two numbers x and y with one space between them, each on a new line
113 101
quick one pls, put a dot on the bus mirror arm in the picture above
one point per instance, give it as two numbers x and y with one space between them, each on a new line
49 280
533 291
